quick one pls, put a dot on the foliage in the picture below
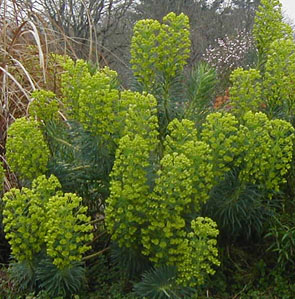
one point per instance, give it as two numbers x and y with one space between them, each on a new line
26 151
159 53
239 209
220 133
162 174
130 262
105 280
44 106
25 216
245 93
42 220
160 48
81 162
278 83
269 27
202 253
23 276
200 91
272 139
91 99
181 185
60 282
282 233
129 180
67 230
160 283
251 145
246 169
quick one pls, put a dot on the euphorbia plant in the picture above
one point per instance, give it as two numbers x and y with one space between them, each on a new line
47 231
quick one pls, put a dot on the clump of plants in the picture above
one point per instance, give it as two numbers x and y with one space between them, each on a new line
47 231
162 187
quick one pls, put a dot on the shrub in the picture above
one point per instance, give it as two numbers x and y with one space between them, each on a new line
26 151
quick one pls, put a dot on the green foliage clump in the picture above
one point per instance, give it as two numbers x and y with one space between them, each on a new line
25 217
251 165
279 78
48 232
200 91
140 116
96 102
67 229
44 106
72 82
220 133
129 189
183 140
245 93
282 240
91 99
267 150
160 49
269 26
201 253
160 283
26 151
155 211
252 144
43 217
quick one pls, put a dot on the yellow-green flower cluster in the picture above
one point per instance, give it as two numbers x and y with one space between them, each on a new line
25 217
141 117
44 106
67 229
282 136
245 93
43 218
152 219
220 133
126 209
20 229
127 203
266 150
279 77
160 49
171 197
183 183
183 139
200 253
269 25
259 147
26 151
96 101
73 80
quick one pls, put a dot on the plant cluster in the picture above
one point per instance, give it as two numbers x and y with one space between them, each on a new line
269 27
246 91
181 185
160 49
44 105
26 151
174 189
42 220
